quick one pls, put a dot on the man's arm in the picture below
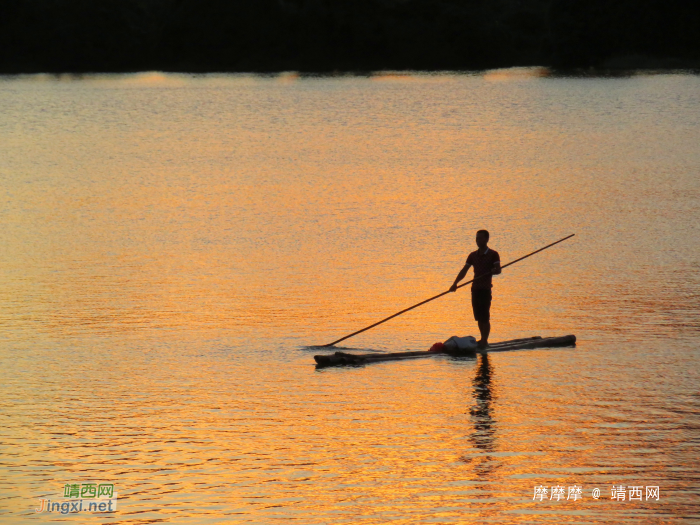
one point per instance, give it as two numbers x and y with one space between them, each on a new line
461 275
496 268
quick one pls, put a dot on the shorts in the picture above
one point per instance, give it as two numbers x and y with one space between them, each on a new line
481 304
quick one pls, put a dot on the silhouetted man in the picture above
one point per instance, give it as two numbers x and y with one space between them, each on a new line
486 262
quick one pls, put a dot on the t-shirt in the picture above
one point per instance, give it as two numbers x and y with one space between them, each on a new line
483 264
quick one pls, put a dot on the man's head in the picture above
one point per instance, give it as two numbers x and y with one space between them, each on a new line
482 239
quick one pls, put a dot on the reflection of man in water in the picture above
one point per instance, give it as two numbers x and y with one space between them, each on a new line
485 426
483 435
486 262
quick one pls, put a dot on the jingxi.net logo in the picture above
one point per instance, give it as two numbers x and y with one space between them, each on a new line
81 497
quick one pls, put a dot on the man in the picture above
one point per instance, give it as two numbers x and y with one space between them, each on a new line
486 262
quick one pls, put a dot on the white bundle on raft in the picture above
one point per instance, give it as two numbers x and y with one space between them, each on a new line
460 343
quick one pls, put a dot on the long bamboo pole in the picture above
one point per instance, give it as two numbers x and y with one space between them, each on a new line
443 293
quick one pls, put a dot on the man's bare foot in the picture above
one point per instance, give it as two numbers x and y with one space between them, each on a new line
482 344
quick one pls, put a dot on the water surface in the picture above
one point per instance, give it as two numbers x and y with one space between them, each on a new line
173 245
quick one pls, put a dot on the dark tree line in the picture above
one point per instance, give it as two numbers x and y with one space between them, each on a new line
345 35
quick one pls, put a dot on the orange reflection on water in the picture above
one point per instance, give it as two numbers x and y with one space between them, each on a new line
169 253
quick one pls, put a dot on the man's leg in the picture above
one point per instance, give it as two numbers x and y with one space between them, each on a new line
485 329
482 314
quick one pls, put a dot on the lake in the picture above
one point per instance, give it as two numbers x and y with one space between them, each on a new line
174 246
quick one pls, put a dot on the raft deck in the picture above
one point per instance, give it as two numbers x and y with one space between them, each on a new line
343 358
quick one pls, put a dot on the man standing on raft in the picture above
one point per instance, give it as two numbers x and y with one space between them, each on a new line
486 262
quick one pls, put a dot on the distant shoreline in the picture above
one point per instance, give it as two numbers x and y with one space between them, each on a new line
617 67
325 36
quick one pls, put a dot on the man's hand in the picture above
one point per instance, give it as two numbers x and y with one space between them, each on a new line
453 288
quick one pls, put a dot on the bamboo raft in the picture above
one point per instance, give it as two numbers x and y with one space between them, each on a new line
343 358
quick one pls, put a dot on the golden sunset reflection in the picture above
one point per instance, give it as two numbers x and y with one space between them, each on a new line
174 246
